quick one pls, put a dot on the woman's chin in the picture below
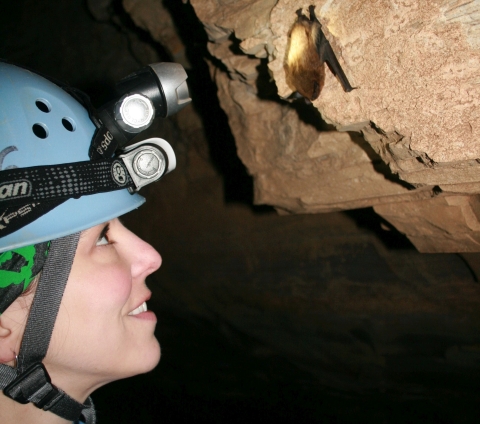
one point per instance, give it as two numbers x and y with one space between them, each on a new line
151 358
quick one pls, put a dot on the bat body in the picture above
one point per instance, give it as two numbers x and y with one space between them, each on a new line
308 50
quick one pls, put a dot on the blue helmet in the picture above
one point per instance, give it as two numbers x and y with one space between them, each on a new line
41 124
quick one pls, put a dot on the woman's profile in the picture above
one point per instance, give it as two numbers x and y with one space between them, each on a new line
73 298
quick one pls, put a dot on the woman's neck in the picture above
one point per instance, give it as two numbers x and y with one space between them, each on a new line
12 412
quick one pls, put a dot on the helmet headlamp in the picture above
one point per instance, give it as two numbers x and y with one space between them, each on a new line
159 89
27 193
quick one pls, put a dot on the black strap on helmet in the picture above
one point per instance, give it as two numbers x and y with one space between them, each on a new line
20 186
30 381
28 193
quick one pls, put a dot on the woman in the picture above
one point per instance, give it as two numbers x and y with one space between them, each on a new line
73 312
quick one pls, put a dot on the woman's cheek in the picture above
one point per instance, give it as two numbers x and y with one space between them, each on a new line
111 284
97 283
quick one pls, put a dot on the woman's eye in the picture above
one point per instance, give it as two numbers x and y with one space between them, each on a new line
103 237
102 241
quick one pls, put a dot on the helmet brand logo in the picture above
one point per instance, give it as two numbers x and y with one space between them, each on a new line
107 139
15 189
7 218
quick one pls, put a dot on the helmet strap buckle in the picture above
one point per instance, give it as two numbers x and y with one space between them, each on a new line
34 385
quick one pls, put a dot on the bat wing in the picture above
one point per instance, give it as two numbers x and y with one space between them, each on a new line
327 55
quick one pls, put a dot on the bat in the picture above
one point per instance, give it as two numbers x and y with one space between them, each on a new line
308 50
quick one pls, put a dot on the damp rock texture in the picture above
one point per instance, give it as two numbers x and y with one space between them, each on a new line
408 133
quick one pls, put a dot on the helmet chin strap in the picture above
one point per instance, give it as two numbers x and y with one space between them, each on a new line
30 381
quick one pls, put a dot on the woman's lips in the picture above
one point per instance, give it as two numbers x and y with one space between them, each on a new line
143 313
139 310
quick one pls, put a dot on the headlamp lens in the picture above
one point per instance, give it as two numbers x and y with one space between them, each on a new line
137 111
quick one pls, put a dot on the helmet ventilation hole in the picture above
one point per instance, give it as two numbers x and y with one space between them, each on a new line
69 124
43 105
40 130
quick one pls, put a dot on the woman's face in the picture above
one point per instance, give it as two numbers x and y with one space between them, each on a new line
103 331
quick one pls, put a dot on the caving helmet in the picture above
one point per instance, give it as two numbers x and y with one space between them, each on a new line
66 167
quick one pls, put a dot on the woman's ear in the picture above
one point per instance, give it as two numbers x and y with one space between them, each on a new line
7 354
12 327
4 331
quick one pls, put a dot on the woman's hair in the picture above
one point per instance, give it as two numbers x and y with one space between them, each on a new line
32 286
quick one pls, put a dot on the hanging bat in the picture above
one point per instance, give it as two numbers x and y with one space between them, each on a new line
309 49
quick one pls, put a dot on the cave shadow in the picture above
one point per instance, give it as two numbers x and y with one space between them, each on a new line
258 387
389 236
238 184
378 164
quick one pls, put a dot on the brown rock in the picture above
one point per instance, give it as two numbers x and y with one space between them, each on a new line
443 224
415 67
153 17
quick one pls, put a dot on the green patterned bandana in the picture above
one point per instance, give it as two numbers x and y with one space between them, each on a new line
18 268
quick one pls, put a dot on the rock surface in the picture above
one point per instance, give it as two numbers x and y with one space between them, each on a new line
443 224
154 17
415 67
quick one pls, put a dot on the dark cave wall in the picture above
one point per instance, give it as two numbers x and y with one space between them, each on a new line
332 316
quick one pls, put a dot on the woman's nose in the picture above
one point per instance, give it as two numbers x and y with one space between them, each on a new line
146 258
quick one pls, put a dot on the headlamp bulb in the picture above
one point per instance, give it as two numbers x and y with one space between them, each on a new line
136 112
